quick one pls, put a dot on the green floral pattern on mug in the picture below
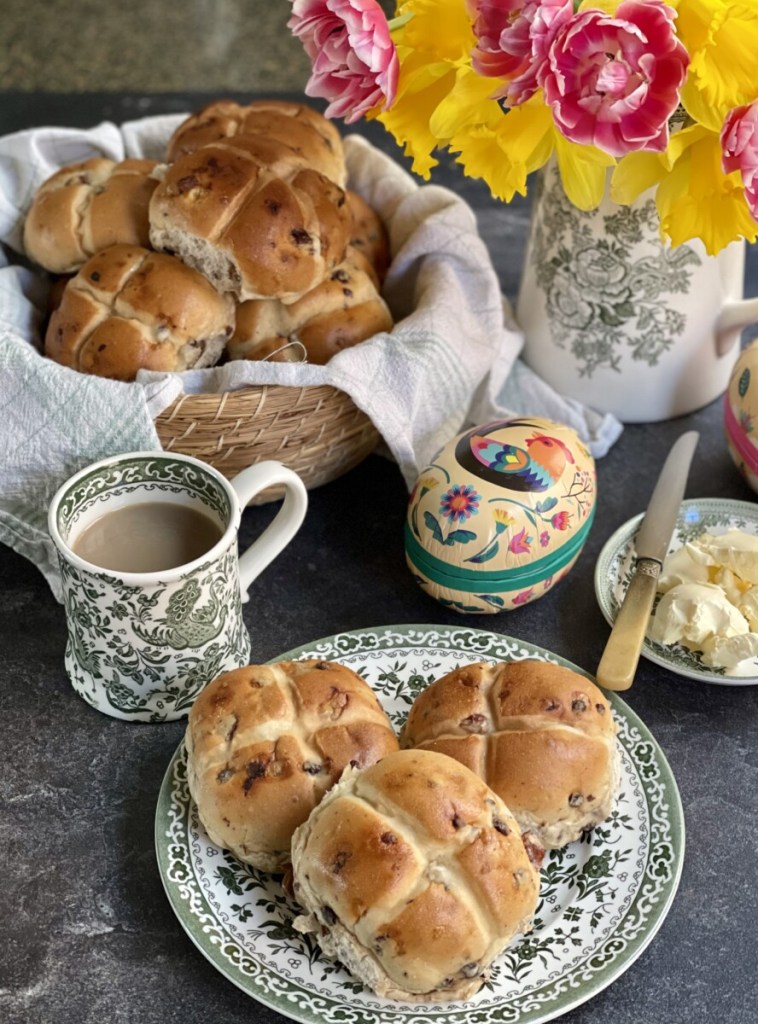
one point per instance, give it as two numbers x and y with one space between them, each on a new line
144 474
147 652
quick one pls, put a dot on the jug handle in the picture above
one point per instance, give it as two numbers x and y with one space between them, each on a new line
733 317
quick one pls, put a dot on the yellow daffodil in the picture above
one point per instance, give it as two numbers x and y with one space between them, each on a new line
443 102
721 38
434 43
504 151
697 200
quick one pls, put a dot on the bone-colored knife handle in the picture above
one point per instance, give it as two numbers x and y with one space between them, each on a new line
622 652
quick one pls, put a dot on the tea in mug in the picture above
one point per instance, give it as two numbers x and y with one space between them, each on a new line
147 537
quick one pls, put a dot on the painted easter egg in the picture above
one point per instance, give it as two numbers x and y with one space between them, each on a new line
741 414
500 514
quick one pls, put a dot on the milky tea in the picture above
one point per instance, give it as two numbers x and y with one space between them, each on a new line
147 537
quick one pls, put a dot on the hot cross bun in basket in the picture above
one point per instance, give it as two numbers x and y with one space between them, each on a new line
265 742
414 875
86 207
342 311
129 309
542 736
251 232
299 130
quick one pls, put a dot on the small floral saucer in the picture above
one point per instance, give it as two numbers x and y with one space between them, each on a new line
616 564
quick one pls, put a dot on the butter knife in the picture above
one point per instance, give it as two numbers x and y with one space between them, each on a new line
622 652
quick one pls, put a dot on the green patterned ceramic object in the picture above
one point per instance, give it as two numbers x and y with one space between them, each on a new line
616 564
141 646
500 515
602 898
615 318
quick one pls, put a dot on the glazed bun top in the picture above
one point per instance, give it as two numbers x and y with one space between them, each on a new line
292 128
419 873
86 207
130 309
265 742
541 735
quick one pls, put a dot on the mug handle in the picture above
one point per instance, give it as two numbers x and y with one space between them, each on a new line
285 524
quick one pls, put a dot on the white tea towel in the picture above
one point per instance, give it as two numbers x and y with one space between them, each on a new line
450 361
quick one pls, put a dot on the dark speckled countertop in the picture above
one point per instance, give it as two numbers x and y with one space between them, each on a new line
88 933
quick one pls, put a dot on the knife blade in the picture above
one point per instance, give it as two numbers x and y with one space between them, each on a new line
622 651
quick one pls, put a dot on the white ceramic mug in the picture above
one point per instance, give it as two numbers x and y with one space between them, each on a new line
141 645
618 320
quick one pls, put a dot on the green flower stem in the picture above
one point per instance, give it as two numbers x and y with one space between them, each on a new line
531 511
401 20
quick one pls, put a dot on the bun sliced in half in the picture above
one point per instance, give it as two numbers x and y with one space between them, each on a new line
86 207
342 311
265 742
130 309
304 132
250 232
415 876
541 735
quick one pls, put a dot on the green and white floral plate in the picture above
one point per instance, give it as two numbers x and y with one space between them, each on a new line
603 898
615 566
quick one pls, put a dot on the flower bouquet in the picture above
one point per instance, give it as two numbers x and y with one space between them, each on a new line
652 95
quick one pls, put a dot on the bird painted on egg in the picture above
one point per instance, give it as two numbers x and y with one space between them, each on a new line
538 467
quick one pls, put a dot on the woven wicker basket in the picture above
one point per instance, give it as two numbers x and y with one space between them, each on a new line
317 431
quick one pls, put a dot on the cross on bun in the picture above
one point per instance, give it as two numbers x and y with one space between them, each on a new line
129 309
265 742
249 231
541 735
298 129
342 311
86 207
415 876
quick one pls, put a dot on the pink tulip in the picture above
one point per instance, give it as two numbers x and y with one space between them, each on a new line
355 65
613 82
739 144
512 41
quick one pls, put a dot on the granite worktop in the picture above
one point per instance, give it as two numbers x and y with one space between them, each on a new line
89 933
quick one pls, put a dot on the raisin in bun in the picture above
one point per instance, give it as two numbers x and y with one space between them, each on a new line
342 311
130 309
251 232
541 735
265 742
86 207
415 876
301 130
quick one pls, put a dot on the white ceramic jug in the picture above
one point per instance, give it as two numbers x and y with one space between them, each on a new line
620 321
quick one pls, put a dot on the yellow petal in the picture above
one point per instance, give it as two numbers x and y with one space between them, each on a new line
583 172
721 38
481 157
697 200
503 157
635 174
439 28
469 102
